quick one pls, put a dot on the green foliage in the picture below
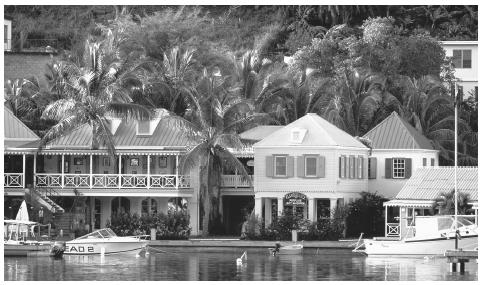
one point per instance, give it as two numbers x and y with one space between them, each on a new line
445 203
366 214
173 225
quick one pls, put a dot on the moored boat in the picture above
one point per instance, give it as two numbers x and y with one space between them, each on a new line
104 241
431 238
287 249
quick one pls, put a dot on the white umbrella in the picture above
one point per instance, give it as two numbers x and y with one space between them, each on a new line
22 214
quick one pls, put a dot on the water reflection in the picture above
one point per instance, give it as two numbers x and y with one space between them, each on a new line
179 265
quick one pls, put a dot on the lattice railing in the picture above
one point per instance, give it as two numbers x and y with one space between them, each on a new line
13 180
393 230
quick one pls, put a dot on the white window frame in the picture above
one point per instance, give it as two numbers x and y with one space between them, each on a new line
306 165
398 168
275 164
342 166
360 167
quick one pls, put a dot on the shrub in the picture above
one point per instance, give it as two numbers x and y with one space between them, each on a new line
366 215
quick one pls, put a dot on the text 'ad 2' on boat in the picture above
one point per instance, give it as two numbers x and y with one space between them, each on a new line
432 235
20 238
287 249
104 241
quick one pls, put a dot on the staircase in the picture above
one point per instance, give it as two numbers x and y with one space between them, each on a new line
63 221
42 198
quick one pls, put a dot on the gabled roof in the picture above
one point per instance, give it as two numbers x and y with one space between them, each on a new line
426 184
396 133
258 133
16 133
125 137
319 132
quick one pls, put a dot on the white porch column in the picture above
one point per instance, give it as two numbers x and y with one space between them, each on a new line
34 169
149 173
311 209
23 171
258 204
120 169
386 219
280 206
267 212
90 172
62 166
221 208
332 207
177 171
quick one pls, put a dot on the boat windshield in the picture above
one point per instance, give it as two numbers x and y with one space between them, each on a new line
103 233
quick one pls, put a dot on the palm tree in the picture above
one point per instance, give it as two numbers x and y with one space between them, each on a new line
91 92
20 94
210 125
358 101
429 109
446 203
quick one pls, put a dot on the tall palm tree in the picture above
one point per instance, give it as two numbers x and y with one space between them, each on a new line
20 95
89 93
210 124
446 203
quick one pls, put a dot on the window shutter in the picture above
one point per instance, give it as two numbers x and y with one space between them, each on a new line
339 167
373 168
290 166
362 168
432 162
352 166
424 161
388 167
269 166
408 168
320 170
347 167
300 169
357 164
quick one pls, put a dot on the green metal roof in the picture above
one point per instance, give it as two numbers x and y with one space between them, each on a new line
396 133
15 131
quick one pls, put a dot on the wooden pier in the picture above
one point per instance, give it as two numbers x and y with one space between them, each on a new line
457 258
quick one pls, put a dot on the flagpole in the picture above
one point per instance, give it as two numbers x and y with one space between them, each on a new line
456 166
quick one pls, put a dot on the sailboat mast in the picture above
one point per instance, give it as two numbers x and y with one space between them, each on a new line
456 163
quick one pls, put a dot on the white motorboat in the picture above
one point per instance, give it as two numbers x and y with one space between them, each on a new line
433 236
104 241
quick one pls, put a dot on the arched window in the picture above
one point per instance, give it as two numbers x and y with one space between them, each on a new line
149 206
120 205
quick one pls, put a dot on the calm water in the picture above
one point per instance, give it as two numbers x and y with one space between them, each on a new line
177 265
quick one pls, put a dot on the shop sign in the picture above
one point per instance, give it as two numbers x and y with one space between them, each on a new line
295 198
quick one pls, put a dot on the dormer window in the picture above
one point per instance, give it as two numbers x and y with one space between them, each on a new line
297 135
143 127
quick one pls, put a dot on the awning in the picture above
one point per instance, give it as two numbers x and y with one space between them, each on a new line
93 152
409 203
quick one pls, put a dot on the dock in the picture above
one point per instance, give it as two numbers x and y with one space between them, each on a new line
457 258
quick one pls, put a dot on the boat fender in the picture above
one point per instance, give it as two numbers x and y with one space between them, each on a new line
57 249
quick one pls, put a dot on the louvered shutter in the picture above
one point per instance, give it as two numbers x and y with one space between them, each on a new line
352 166
432 162
300 166
424 161
290 166
362 167
320 170
408 168
339 167
269 166
373 168
388 167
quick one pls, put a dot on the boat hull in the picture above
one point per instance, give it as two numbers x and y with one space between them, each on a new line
288 250
109 247
436 246
30 250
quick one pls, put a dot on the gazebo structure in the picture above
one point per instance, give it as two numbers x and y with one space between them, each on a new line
419 194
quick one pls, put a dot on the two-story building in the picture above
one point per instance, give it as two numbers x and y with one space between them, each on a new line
465 59
307 167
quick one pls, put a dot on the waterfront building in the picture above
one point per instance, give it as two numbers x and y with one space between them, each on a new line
419 194
397 150
465 59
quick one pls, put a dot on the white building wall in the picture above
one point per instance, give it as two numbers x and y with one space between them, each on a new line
468 76
8 40
390 187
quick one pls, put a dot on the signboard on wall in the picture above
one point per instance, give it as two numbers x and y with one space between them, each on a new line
295 198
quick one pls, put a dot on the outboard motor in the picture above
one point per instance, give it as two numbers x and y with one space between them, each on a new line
57 250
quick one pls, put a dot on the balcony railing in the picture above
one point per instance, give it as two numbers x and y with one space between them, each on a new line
13 180
393 230
127 181
235 181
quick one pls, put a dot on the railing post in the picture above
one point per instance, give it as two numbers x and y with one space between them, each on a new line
386 219
34 170
23 169
148 171
62 173
177 171
120 169
90 172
